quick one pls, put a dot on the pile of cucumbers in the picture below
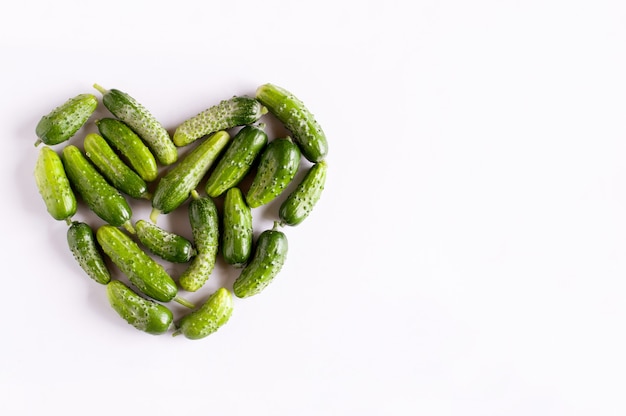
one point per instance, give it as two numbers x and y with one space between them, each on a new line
123 161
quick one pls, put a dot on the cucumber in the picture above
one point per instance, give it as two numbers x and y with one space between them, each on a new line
301 201
169 246
144 314
208 318
126 141
237 230
236 111
54 186
278 165
297 118
83 245
65 120
269 257
142 270
204 221
113 168
175 187
138 118
237 160
101 197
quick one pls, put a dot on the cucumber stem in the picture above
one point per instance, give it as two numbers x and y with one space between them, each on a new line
129 227
184 302
38 142
263 110
100 88
194 194
176 333
154 215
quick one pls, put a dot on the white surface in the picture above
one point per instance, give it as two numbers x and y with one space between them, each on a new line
468 256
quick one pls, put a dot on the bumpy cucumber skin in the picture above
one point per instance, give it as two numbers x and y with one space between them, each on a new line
175 187
65 120
169 246
54 186
237 111
126 141
237 230
301 201
82 244
101 197
113 168
292 112
269 257
278 165
143 272
138 118
208 318
144 314
236 161
204 220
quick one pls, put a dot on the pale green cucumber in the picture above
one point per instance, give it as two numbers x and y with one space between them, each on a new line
54 186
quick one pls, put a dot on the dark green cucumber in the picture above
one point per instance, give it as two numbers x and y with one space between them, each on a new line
142 270
278 165
65 120
53 185
237 160
169 246
113 168
208 318
237 111
237 230
204 221
82 243
126 141
301 201
292 112
138 118
175 187
101 197
269 257
144 314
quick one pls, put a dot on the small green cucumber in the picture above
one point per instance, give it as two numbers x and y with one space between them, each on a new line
144 314
208 318
292 112
169 246
138 118
130 146
142 270
204 221
236 111
237 160
278 165
113 168
269 257
237 230
54 186
65 120
175 187
84 247
100 196
301 201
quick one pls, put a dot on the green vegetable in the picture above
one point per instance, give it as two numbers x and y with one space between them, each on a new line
237 230
301 201
126 141
237 111
54 186
83 246
288 109
142 270
269 257
144 314
138 118
102 198
278 165
175 187
237 160
65 120
169 246
207 319
113 168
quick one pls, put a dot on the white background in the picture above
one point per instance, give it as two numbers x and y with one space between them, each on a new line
467 257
